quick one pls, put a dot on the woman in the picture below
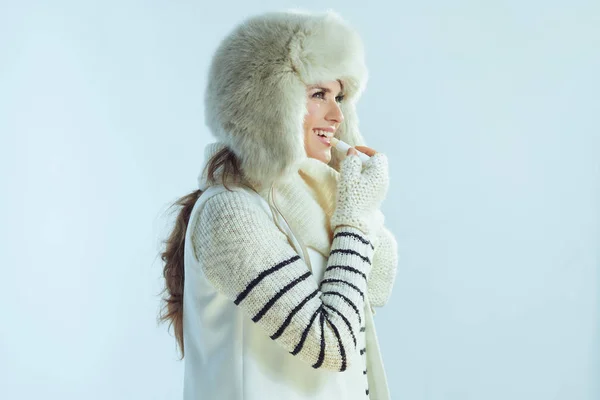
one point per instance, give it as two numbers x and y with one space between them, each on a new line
283 247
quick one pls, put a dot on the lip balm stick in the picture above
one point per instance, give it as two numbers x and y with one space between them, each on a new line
343 146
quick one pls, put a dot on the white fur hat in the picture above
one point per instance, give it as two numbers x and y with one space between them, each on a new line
255 101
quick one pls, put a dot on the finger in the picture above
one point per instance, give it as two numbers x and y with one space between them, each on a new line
367 150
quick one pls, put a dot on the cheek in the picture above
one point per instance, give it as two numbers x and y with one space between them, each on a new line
313 107
313 111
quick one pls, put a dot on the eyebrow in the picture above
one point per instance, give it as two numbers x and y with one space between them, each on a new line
326 90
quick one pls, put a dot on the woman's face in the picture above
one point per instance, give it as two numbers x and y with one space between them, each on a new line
323 117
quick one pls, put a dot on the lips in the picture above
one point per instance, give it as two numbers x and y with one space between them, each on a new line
324 139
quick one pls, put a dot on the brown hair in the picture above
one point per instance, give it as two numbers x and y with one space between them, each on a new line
173 254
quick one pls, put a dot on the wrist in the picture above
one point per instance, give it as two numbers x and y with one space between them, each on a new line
366 230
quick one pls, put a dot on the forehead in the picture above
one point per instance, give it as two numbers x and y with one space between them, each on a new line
328 85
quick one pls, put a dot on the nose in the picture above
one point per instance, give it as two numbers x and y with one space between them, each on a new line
335 113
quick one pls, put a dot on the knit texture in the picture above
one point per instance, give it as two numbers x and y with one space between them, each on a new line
361 192
249 260
307 202
385 266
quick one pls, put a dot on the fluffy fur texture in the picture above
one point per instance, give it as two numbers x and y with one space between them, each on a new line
256 97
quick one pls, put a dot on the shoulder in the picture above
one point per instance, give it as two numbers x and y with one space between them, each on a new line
238 209
237 202
231 221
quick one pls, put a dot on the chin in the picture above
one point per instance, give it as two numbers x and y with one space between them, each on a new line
323 158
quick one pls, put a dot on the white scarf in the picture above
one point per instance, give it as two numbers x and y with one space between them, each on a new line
307 201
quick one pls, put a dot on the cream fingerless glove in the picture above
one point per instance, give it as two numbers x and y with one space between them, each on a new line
360 193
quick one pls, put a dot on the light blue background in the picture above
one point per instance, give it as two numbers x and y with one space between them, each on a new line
488 111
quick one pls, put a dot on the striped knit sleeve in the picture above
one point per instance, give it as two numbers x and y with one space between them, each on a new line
248 259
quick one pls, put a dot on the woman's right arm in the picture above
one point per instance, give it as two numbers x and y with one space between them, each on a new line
250 261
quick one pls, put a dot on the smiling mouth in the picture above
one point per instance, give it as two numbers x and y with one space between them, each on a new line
324 137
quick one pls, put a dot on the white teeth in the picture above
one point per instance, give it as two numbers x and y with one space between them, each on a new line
323 133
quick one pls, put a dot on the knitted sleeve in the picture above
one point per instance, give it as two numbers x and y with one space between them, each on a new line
248 259
385 264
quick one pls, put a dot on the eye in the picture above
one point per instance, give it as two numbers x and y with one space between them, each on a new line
321 95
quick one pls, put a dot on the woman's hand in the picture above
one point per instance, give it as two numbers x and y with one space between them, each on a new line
363 149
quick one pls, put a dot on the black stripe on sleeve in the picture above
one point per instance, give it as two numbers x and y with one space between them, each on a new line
322 352
283 291
365 241
347 300
294 311
347 268
305 333
347 283
262 275
353 252
345 320
341 346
